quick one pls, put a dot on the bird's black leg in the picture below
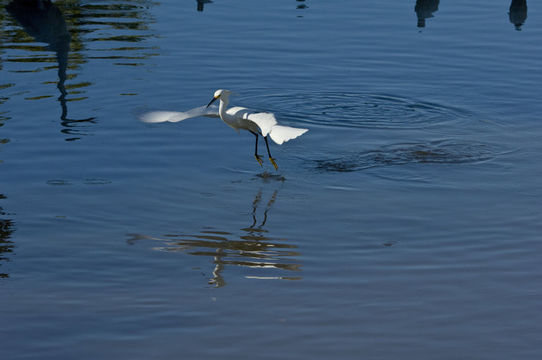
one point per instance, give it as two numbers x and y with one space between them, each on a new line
258 157
269 153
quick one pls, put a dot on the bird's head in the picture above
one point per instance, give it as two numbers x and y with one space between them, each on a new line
220 94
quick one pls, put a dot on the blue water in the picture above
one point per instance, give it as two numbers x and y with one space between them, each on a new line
405 224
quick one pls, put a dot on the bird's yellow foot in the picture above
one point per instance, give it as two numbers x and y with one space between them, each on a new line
259 159
274 163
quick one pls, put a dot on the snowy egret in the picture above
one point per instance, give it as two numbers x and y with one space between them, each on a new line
257 123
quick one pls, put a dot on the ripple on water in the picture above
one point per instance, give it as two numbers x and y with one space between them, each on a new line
252 248
88 181
358 110
435 152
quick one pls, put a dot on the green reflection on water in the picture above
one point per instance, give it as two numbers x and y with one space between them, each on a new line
68 28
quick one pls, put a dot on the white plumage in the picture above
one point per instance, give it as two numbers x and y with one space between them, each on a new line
176 116
280 134
258 123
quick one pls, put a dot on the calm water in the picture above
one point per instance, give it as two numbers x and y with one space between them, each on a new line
406 224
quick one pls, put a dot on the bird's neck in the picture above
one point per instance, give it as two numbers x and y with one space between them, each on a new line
222 107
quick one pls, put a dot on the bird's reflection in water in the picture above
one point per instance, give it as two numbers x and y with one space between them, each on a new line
424 10
518 13
251 247
44 21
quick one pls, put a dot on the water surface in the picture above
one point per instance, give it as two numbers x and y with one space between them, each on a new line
405 224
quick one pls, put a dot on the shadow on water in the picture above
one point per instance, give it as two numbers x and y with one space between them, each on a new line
436 152
424 10
518 13
66 28
6 246
252 246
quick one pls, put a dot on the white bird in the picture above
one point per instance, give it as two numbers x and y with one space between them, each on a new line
258 123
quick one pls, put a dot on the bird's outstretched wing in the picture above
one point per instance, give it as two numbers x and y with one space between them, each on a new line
280 134
265 121
176 116
250 120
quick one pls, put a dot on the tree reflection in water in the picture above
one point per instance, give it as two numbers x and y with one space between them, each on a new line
45 22
6 246
69 29
201 4
424 10
518 13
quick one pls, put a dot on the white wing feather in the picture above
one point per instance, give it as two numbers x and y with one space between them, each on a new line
265 121
280 134
176 116
238 117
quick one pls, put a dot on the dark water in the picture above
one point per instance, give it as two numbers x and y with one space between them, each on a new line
406 224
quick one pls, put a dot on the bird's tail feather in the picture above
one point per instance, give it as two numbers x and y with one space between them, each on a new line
280 134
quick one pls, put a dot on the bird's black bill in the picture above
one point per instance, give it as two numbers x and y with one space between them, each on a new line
212 101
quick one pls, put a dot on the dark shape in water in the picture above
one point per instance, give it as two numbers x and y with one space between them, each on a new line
253 248
201 3
267 176
424 9
301 6
6 246
44 21
437 152
518 13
